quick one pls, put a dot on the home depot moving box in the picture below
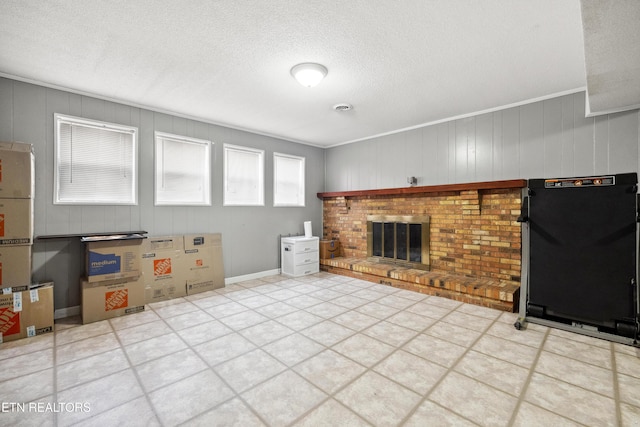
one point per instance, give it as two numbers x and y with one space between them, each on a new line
16 213
203 260
113 298
26 313
16 221
15 266
329 249
163 268
113 259
16 170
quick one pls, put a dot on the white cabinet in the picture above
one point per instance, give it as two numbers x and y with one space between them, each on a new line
300 255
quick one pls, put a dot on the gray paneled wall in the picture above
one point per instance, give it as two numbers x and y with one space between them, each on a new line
250 234
543 139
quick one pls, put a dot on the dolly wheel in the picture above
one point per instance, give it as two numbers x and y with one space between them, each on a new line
518 325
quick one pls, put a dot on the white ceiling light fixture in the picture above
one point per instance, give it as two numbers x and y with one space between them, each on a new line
309 74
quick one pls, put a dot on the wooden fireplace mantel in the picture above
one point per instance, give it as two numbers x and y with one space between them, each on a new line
486 185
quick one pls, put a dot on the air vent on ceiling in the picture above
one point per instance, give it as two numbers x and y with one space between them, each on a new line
342 107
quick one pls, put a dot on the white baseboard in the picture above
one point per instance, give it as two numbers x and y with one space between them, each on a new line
61 313
252 276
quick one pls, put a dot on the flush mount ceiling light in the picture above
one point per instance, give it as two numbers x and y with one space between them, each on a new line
309 74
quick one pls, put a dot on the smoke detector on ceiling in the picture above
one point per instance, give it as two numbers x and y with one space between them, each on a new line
343 107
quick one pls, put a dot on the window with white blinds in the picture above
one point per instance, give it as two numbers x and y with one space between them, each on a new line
288 180
182 171
95 162
243 176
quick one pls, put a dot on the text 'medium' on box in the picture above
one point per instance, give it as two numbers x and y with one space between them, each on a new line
113 259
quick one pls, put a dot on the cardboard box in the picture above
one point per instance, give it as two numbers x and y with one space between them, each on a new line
329 249
113 298
26 313
203 260
15 266
163 291
163 243
16 221
16 170
163 269
113 259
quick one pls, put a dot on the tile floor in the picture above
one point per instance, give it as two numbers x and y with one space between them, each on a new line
321 350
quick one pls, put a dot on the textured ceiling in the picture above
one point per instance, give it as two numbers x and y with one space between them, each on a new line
612 54
400 64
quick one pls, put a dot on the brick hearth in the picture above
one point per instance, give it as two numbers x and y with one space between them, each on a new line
485 292
475 239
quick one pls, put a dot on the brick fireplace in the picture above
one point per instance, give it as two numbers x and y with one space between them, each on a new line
474 238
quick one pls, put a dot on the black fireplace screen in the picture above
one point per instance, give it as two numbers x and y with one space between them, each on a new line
403 239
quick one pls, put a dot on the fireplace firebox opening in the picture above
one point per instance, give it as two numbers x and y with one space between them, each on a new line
400 239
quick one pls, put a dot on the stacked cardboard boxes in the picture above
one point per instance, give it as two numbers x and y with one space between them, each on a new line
175 266
16 213
25 310
113 286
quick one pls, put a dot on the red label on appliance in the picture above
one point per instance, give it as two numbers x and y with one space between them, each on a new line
199 262
116 299
9 322
1 225
161 266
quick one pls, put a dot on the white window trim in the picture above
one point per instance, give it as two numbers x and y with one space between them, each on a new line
260 174
64 118
301 180
158 136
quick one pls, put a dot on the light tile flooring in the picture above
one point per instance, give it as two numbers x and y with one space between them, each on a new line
321 350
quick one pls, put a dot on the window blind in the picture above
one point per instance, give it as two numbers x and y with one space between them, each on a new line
95 163
182 170
243 176
288 179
